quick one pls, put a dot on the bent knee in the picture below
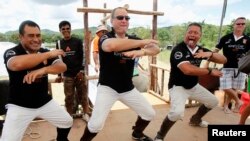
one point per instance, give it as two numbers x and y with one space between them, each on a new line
213 103
149 115
95 127
68 123
174 116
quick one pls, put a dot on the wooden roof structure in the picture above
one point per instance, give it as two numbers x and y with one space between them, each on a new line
87 38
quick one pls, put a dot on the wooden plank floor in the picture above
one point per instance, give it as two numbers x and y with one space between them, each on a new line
118 126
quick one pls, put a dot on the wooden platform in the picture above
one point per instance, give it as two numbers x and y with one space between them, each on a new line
118 126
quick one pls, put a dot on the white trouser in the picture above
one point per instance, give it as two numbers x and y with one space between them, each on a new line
179 95
105 99
18 119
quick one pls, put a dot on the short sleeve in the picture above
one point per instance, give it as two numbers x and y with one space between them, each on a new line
103 38
8 54
221 43
95 44
178 56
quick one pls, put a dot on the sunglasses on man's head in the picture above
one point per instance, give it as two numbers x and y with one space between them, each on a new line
65 28
122 17
240 23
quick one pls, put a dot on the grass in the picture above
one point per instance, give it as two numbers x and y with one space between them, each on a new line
164 56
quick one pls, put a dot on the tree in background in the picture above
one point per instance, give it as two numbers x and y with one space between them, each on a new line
171 35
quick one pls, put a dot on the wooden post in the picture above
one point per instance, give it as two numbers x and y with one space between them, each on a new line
152 60
86 37
104 22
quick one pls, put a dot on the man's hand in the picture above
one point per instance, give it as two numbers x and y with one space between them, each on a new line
149 41
133 54
59 79
202 54
33 75
216 72
56 53
80 76
97 67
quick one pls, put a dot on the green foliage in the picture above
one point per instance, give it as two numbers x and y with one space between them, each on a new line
177 34
14 38
247 30
171 35
2 37
164 56
141 32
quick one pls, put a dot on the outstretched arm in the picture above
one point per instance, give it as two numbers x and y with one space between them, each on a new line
117 44
27 61
149 50
189 69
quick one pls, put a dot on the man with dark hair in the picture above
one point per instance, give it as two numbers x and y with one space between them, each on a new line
28 66
185 60
75 83
117 52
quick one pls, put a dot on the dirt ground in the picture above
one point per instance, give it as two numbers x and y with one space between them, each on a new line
118 126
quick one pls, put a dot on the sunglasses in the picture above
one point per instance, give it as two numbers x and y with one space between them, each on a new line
122 17
65 28
240 23
104 32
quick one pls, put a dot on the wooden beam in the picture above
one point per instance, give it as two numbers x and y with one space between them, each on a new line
101 10
108 16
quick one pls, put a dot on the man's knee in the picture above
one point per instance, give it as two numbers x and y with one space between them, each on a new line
213 103
95 127
69 122
174 116
149 115
152 114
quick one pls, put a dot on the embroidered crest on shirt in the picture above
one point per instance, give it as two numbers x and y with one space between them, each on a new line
68 51
10 53
178 55
228 41
244 41
188 55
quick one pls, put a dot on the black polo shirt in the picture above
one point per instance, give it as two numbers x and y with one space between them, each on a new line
32 95
116 70
73 49
180 54
233 49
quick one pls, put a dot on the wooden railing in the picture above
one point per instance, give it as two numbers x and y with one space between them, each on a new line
158 86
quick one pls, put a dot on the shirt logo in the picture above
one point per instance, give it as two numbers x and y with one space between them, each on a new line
244 41
103 37
10 53
68 49
228 41
178 55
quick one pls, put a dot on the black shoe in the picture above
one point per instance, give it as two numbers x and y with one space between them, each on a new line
1 127
141 138
202 124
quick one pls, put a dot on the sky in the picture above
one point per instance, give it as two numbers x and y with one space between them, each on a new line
48 13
